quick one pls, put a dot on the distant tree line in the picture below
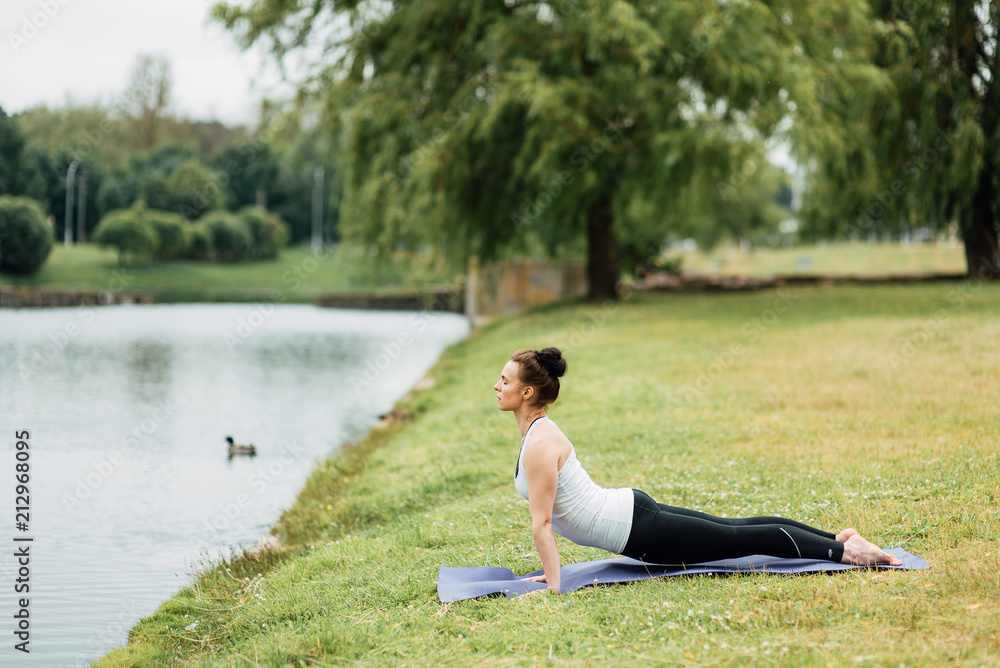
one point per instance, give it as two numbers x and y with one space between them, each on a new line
135 162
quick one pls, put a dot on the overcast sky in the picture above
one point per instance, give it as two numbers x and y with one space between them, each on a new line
84 50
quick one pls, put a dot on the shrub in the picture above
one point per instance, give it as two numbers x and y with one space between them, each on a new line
25 237
231 237
195 189
198 241
170 230
128 232
270 234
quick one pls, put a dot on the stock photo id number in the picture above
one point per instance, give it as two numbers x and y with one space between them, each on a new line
22 540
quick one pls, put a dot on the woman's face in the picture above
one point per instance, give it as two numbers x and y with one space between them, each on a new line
509 388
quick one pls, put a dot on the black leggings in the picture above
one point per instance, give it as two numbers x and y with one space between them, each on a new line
667 535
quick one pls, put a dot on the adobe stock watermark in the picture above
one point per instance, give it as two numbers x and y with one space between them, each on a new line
456 111
956 300
228 512
588 326
100 471
293 277
58 339
750 332
584 155
391 350
120 110
248 151
113 633
252 321
740 176
31 25
868 216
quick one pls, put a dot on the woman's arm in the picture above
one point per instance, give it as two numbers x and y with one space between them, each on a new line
541 466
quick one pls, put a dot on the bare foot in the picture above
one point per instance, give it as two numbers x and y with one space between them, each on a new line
859 552
845 534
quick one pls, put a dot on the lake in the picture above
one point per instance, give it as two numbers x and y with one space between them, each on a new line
126 409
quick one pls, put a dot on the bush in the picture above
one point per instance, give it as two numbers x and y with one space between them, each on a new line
231 237
270 234
195 189
170 230
198 241
25 237
127 231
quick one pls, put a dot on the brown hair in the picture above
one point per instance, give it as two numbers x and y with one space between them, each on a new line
541 370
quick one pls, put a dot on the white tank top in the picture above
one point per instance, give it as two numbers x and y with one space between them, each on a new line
584 512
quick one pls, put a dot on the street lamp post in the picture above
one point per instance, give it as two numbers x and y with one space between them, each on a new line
68 232
81 209
317 227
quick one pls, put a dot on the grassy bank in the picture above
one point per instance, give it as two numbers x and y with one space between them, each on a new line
299 274
296 276
830 259
867 407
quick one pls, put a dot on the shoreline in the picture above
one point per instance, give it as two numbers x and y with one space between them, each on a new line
451 299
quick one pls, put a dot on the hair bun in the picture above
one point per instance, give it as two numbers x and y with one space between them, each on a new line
551 360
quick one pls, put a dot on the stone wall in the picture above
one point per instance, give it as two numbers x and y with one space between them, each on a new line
513 285
32 298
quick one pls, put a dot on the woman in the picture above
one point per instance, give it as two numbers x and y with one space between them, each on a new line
564 500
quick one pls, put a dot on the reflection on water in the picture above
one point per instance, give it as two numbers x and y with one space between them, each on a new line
128 408
148 370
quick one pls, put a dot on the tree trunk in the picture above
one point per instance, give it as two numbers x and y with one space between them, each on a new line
979 231
982 251
602 252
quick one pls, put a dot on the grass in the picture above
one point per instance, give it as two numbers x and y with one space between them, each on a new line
296 276
831 259
872 407
299 275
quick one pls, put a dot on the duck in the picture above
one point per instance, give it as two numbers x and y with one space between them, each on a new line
237 449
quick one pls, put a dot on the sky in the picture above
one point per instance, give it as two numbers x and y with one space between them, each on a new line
52 51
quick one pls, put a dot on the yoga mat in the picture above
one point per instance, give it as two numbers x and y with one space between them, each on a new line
457 584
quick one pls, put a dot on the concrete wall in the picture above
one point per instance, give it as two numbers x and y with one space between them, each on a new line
513 285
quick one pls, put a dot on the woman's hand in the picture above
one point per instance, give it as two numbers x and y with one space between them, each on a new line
536 578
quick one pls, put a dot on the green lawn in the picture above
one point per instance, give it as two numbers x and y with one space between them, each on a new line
299 274
871 407
296 276
833 259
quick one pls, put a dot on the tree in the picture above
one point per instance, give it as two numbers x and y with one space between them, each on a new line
128 232
88 132
473 125
249 168
747 207
170 227
148 99
25 237
40 180
198 241
195 189
231 238
11 149
269 232
929 153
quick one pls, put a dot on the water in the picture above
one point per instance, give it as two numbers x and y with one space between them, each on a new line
127 410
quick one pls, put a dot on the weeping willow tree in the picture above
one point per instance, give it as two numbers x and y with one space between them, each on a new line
475 126
932 153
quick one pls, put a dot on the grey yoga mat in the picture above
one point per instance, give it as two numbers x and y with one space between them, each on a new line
457 584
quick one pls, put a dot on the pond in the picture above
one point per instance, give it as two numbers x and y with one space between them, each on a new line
126 409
